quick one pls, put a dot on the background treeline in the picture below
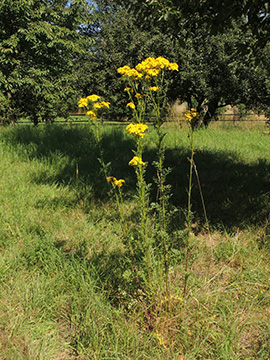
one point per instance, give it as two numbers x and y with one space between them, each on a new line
54 52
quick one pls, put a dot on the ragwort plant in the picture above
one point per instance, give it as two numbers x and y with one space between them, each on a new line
147 90
147 95
94 108
138 132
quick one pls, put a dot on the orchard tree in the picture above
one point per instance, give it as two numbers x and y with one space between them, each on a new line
214 74
38 42
218 15
257 84
221 49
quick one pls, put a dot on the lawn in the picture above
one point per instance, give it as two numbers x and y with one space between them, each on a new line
67 291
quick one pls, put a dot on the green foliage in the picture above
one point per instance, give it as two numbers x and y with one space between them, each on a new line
217 16
116 41
213 71
38 40
214 74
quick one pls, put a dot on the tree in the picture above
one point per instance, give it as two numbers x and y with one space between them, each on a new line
218 15
221 63
256 80
214 74
38 41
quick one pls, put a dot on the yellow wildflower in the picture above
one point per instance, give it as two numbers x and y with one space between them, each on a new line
162 62
131 105
115 182
82 102
133 73
101 104
127 71
154 88
152 66
138 96
149 67
147 64
140 68
119 182
93 98
128 89
111 178
173 66
137 129
92 114
191 114
123 70
153 72
136 161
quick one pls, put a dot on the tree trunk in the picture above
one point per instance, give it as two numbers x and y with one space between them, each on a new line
211 111
35 121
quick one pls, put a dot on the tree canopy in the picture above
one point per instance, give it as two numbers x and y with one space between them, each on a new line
54 51
213 73
218 15
38 40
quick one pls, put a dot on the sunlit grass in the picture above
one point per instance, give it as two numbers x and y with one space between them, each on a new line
62 258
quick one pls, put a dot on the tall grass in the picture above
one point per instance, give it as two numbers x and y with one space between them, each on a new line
66 290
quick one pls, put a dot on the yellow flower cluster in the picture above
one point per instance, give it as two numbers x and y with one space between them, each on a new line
93 98
153 66
84 102
154 88
137 129
99 105
191 114
92 114
131 105
150 67
127 71
115 182
136 160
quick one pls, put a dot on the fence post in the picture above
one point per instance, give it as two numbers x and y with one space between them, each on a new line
235 115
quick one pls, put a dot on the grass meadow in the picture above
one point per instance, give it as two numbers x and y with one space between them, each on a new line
64 289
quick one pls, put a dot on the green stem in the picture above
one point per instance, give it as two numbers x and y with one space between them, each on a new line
162 211
119 202
190 180
189 213
142 196
161 180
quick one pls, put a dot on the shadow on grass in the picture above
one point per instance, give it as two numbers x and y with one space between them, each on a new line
236 194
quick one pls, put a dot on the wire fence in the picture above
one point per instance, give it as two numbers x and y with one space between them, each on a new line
240 117
77 118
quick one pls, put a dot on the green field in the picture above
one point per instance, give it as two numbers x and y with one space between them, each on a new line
65 288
